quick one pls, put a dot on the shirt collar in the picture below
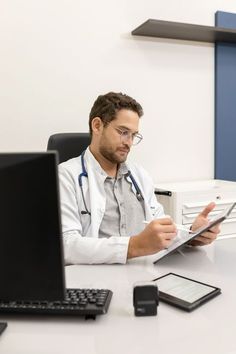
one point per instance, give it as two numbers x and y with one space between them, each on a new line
123 170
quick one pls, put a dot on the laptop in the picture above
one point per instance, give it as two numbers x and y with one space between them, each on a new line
32 274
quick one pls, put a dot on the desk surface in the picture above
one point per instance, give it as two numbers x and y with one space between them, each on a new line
209 329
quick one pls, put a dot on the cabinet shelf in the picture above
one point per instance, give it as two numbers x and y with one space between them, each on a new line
185 31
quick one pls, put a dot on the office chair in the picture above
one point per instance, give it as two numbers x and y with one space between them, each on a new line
68 145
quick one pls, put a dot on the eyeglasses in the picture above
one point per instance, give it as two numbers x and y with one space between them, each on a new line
126 135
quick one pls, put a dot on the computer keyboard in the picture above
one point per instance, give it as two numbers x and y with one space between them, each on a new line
77 302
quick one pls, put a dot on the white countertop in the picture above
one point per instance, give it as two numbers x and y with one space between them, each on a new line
209 329
199 185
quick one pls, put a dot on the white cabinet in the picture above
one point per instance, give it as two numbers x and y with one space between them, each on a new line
184 200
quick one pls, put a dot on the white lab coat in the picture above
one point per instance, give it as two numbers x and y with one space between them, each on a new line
81 231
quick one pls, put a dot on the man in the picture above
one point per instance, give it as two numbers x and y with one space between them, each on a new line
105 201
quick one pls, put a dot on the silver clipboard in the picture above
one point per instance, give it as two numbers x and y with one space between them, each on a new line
185 237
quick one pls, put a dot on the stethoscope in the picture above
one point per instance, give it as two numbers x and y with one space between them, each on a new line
84 173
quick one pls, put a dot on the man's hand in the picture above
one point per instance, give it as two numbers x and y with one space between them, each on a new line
202 219
157 236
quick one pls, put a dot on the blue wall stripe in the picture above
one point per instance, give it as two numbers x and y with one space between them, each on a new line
225 102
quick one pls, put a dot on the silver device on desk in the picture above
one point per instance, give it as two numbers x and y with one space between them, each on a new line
187 236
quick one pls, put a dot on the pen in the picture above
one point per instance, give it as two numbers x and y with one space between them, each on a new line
179 227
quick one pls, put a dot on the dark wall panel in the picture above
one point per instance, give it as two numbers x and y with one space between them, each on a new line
225 102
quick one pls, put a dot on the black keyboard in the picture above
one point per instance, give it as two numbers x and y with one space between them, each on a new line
78 302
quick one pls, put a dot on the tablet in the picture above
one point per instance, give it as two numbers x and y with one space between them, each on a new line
184 237
185 293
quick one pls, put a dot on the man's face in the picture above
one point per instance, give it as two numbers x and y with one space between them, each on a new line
114 144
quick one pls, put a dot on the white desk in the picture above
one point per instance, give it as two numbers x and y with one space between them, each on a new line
209 329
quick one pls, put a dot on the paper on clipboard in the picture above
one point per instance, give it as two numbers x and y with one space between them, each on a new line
184 237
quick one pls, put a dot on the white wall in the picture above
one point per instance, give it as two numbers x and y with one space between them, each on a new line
57 56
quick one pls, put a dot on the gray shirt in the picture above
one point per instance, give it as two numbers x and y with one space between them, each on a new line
124 213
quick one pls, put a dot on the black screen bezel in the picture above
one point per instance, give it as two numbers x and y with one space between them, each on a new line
187 306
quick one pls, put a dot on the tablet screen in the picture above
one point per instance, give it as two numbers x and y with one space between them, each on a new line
183 292
182 288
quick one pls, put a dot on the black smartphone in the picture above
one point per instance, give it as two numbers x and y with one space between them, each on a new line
183 292
3 326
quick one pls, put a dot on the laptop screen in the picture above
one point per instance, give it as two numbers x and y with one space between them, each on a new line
31 252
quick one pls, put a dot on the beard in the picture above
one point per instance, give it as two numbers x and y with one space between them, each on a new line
114 156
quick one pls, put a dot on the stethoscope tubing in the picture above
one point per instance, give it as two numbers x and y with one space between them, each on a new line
84 173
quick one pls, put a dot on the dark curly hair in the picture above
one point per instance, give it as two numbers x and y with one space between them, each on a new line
106 107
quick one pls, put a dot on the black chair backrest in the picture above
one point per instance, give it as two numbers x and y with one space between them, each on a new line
68 145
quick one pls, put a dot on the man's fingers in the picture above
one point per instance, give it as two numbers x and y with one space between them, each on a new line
209 234
164 221
164 225
170 236
207 209
215 229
